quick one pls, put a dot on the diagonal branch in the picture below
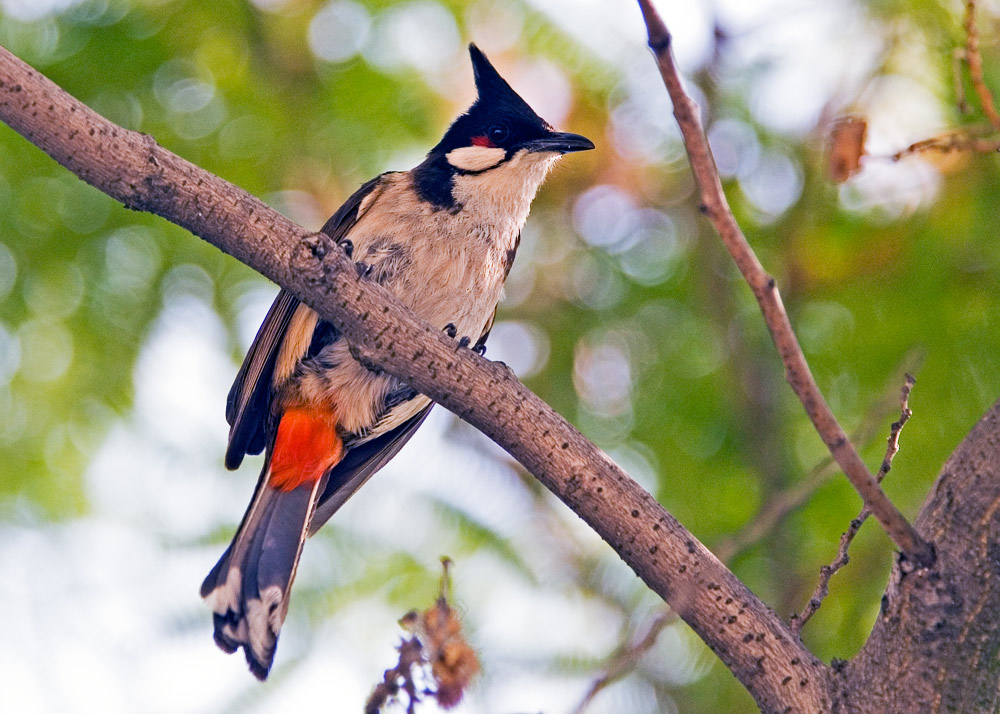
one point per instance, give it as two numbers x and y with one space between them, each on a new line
842 558
784 502
716 208
749 638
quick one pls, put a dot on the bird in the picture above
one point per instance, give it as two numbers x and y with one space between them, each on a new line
441 238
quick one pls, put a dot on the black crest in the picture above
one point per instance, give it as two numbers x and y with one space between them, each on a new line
496 103
499 115
493 88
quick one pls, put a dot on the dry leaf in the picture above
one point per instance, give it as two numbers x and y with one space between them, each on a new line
847 146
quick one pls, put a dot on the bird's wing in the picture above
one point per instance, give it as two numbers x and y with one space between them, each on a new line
348 214
249 402
250 396
367 457
360 464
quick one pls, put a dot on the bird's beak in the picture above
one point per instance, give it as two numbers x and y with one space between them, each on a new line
560 143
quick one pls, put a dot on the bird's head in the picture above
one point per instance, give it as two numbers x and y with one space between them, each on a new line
498 130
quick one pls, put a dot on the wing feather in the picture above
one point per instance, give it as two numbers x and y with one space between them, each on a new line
360 464
249 402
249 398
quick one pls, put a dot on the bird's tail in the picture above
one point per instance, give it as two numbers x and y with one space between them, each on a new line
248 589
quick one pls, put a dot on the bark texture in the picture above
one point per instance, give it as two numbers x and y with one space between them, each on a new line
936 644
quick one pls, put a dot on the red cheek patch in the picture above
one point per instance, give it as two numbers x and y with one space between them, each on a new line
482 141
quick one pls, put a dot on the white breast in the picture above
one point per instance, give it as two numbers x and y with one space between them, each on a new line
446 267
501 197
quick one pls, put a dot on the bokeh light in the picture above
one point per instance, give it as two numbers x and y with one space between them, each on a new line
120 334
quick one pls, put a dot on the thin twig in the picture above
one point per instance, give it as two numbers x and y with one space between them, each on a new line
950 142
399 678
784 502
716 208
625 659
975 60
797 622
964 139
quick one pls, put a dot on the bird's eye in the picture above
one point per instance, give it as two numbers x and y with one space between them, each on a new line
497 132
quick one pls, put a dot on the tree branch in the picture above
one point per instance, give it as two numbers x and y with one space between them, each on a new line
784 502
935 643
131 167
841 559
948 142
716 208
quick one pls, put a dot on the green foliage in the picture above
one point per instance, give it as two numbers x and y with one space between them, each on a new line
645 337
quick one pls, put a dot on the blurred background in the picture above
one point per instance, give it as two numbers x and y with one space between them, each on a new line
120 335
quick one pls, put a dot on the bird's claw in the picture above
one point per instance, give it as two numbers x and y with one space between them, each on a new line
364 269
479 348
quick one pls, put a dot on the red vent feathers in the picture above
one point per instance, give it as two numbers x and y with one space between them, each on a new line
306 446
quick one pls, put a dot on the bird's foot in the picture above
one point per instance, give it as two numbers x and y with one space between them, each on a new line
479 348
364 269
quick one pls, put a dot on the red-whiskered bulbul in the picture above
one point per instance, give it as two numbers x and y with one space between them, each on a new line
441 237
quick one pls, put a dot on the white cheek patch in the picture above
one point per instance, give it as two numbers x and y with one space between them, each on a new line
476 158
